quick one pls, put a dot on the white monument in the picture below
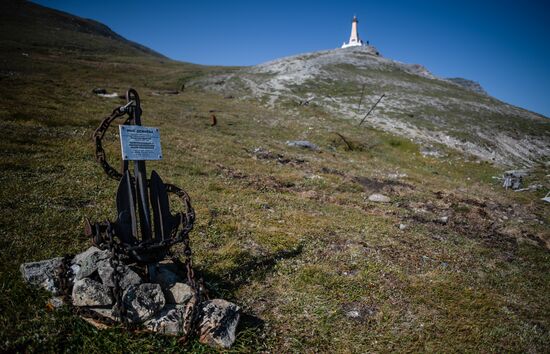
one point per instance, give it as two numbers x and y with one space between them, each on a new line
354 40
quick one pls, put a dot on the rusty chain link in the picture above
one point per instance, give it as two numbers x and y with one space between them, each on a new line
104 236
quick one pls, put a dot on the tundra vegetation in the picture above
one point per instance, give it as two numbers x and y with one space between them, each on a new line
453 263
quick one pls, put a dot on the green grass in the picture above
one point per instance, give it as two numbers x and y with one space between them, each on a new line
295 245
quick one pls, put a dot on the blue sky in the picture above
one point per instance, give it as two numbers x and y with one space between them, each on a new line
504 45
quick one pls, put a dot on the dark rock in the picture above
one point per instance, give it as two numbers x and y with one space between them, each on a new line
128 276
88 292
99 91
43 273
143 301
218 323
168 321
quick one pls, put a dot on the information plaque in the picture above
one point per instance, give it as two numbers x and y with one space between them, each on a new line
139 143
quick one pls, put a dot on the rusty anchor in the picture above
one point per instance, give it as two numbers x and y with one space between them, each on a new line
145 228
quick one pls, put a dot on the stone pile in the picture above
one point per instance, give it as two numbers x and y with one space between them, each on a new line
160 305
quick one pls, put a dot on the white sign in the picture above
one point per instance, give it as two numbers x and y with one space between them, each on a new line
139 143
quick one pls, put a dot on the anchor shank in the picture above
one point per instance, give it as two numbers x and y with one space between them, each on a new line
141 181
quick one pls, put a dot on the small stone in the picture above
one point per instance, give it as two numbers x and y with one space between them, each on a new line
179 293
402 227
353 314
168 321
376 197
89 263
88 292
143 301
128 276
43 273
55 302
303 144
444 219
218 323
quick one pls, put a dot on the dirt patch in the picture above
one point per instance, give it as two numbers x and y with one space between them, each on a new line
388 186
263 154
497 225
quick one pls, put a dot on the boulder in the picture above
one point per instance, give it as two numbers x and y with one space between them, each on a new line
168 321
218 321
82 256
43 273
143 301
88 292
90 261
178 293
379 198
128 276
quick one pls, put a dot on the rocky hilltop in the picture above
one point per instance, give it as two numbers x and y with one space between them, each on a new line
453 112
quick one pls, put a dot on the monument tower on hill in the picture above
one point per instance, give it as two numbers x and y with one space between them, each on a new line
354 39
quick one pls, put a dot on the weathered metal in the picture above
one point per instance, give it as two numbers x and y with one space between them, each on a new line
141 239
145 228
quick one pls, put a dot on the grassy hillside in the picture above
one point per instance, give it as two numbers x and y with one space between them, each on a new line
416 104
288 234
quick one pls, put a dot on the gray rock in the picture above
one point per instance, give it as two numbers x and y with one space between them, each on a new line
303 144
168 321
376 197
143 301
402 227
55 302
43 273
82 256
89 263
178 293
129 277
88 292
218 322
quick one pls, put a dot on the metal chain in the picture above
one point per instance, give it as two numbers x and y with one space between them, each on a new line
98 135
119 309
118 250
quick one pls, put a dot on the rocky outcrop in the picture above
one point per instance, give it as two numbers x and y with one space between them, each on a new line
456 112
468 84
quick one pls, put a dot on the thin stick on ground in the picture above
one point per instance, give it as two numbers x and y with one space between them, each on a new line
344 140
372 108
